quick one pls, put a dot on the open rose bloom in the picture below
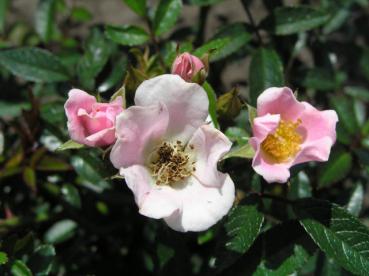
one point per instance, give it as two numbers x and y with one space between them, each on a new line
168 155
287 132
89 122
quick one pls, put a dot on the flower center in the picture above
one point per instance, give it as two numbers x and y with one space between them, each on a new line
170 163
284 143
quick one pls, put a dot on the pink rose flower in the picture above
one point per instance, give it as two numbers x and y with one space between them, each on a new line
287 132
89 122
168 155
187 66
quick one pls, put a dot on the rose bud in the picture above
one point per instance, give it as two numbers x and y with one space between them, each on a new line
189 67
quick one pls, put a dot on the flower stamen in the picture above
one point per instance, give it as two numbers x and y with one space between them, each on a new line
284 143
170 163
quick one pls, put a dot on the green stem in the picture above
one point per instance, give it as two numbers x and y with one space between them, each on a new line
252 22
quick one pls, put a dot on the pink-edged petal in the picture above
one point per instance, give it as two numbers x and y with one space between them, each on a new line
209 145
138 128
202 207
77 99
318 124
102 138
187 103
139 181
271 172
152 200
264 125
317 150
279 100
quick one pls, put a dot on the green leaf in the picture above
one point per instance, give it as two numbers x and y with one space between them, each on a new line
91 171
237 37
127 35
138 6
213 46
61 231
4 4
164 254
10 109
70 144
44 19
288 267
345 109
81 14
42 259
252 112
243 226
29 177
204 2
71 195
364 63
50 163
291 20
237 134
339 234
212 103
337 20
321 79
335 169
356 200
116 75
266 70
245 151
358 92
300 187
166 15
97 52
3 258
33 64
19 268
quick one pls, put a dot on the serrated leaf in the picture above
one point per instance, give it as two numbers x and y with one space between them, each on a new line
212 46
212 103
266 70
97 52
44 19
166 15
4 4
288 267
358 92
50 163
127 35
41 260
71 195
237 37
300 186
344 107
291 20
245 151
138 6
243 226
335 169
321 79
33 64
19 268
339 234
61 231
3 258
70 144
356 200
238 135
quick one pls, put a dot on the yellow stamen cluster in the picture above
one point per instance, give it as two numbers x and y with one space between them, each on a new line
284 143
170 163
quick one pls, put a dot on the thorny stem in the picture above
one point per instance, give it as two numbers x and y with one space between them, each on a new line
256 29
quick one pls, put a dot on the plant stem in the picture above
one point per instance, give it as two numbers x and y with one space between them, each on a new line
155 42
203 15
252 22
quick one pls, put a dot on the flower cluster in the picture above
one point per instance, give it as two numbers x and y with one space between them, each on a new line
168 152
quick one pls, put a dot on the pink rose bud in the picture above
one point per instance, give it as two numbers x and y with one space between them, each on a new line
187 66
287 132
89 122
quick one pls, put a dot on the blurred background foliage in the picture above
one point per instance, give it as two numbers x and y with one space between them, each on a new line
64 212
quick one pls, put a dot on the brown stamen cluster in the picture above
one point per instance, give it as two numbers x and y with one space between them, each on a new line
171 164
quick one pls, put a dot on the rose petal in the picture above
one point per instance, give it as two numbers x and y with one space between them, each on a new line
187 103
264 125
101 138
281 101
202 206
137 129
209 146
